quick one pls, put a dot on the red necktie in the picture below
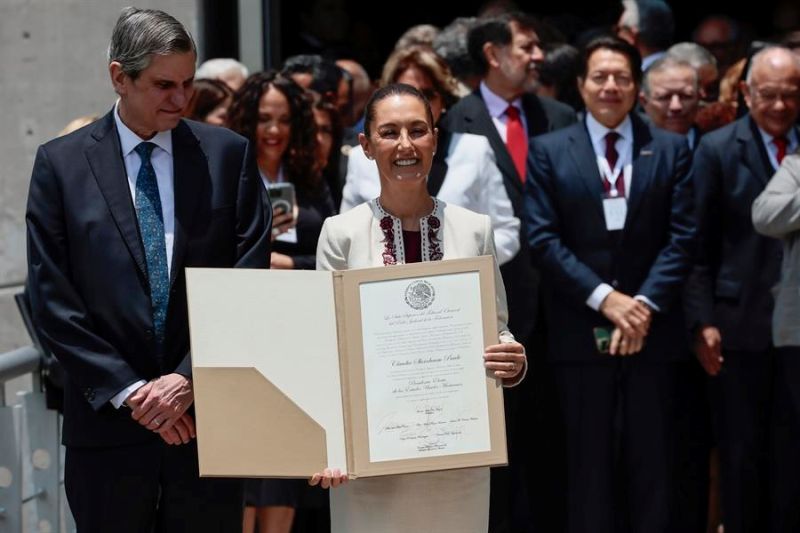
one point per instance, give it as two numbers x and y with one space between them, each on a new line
516 142
611 157
780 143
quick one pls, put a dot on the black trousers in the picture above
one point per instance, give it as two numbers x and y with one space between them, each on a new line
785 446
619 415
694 442
741 397
148 488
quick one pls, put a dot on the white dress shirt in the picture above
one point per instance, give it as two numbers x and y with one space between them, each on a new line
622 170
497 107
162 160
772 150
473 181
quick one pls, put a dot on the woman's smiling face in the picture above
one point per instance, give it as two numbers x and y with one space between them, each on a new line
402 141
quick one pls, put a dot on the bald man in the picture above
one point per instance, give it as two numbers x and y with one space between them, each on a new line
729 300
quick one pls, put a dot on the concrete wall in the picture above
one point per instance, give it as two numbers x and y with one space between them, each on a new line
53 68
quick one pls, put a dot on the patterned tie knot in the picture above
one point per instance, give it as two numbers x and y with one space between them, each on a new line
512 112
144 150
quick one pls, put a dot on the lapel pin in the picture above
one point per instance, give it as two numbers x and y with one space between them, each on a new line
645 153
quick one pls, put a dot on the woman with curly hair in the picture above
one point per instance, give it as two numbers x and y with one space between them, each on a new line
276 115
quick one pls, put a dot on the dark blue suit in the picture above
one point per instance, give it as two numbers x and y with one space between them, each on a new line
618 412
730 288
90 296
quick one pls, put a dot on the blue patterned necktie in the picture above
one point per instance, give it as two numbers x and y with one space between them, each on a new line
151 227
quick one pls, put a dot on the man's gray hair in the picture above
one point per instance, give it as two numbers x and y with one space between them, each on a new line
141 33
665 63
692 53
769 50
216 68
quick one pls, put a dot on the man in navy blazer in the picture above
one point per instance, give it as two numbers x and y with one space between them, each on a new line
609 212
116 212
729 296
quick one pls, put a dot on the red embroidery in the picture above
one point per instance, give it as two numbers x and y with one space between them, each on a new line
433 238
389 252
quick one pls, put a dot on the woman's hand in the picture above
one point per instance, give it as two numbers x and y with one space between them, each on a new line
328 478
281 261
282 222
506 360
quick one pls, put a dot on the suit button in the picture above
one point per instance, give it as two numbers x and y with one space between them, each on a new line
88 394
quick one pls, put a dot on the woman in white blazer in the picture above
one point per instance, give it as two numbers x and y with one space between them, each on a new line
405 224
464 172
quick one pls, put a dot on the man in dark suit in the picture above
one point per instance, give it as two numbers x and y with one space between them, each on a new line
610 221
729 300
116 212
507 52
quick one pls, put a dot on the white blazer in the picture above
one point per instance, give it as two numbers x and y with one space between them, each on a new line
473 182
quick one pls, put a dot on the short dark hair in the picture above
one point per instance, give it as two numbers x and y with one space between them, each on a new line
393 89
495 30
208 95
139 34
325 74
656 24
615 44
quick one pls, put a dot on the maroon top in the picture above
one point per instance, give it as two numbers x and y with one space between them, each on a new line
412 246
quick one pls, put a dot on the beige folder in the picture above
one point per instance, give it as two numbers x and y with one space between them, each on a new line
278 369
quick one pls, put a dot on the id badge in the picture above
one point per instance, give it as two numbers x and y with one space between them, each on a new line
615 211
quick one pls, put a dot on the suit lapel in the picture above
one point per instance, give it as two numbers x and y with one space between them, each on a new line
483 125
754 153
534 115
585 161
642 157
190 170
108 167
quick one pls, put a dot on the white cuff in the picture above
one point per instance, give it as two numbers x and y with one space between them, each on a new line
648 301
123 395
598 295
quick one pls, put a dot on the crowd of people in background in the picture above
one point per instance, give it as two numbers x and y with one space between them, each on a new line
692 421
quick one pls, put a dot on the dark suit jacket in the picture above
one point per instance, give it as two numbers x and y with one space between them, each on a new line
86 263
651 256
736 267
470 115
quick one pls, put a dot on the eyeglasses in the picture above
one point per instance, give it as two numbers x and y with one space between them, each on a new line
666 98
770 96
621 79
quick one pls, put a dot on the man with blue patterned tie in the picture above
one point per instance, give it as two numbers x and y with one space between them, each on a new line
116 212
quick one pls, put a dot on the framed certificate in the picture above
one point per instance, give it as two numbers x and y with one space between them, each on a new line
375 371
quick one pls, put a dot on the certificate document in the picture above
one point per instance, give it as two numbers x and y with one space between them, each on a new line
423 364
374 371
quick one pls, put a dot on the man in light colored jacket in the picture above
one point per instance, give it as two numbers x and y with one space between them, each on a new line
776 213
